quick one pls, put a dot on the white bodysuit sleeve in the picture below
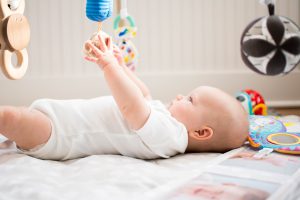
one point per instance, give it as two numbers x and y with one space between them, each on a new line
163 134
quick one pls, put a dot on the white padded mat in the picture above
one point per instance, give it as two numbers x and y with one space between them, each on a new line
102 176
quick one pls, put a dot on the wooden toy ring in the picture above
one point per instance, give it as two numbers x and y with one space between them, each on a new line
94 39
14 38
11 71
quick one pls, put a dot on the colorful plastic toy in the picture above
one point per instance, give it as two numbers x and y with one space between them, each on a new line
271 45
98 11
252 101
268 132
125 30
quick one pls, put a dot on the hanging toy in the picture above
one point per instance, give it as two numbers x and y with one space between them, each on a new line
123 34
271 45
94 39
98 11
253 102
14 38
266 132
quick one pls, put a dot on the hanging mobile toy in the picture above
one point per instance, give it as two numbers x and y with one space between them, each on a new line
98 11
123 34
14 38
268 133
271 45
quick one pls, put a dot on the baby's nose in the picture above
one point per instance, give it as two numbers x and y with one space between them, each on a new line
179 97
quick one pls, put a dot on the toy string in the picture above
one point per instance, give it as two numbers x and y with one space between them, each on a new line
271 8
270 4
99 26
267 2
123 9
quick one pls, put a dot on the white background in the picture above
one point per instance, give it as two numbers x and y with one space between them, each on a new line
182 44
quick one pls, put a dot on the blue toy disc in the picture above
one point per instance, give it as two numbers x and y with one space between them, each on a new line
268 132
265 124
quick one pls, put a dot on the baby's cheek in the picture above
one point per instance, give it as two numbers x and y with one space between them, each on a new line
183 114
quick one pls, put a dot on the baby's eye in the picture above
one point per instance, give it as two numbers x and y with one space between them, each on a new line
191 99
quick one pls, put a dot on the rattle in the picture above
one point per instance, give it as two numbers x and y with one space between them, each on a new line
98 11
252 101
124 33
266 132
94 39
14 38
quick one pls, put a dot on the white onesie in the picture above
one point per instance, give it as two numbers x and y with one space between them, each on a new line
96 126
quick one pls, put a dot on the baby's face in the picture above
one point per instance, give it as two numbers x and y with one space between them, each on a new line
190 109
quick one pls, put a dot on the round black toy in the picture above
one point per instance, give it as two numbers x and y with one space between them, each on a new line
271 45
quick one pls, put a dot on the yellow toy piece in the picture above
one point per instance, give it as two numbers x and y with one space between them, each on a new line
263 108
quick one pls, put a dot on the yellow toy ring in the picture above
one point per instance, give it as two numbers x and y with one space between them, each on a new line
262 106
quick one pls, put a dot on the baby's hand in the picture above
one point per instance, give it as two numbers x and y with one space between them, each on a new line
102 53
118 55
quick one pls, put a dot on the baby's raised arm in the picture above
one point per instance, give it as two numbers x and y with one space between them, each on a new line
125 91
130 74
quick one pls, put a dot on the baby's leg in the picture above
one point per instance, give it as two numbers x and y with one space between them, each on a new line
28 128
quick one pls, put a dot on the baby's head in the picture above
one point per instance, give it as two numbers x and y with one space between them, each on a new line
215 121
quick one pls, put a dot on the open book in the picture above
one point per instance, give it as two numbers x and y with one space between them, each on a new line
241 174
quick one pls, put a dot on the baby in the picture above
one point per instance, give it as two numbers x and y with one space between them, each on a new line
129 122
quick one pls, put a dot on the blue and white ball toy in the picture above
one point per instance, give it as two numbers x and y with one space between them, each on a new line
99 10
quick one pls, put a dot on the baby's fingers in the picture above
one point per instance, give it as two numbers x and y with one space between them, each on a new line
92 59
94 49
116 52
116 48
118 56
102 45
109 43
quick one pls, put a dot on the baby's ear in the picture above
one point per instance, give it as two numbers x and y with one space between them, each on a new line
204 134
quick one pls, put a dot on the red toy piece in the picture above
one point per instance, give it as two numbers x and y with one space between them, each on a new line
257 101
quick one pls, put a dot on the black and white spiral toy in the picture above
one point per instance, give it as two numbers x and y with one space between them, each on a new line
270 45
